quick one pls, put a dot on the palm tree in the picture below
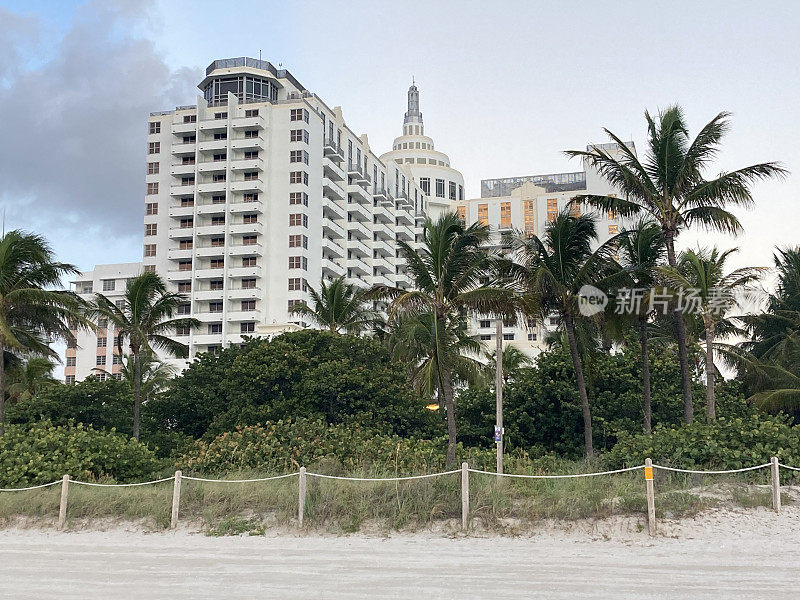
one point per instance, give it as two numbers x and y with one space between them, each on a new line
32 313
641 250
450 271
156 374
554 269
701 273
670 187
338 306
145 320
30 376
513 361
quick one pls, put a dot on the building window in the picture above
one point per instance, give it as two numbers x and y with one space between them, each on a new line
186 223
249 240
153 148
298 198
529 217
248 305
425 184
553 321
296 303
185 245
298 262
461 211
505 215
190 118
189 139
484 323
217 263
221 115
250 134
298 114
218 177
184 286
149 268
218 220
187 180
296 284
460 193
220 136
149 249
218 199
483 214
248 284
185 309
249 219
109 285
251 197
182 331
69 379
440 188
531 337
214 328
101 360
152 168
215 307
613 229
574 210
151 208
298 220
247 327
298 241
217 242
508 336
298 135
298 177
251 155
251 112
249 261
185 265
452 190
102 342
220 157
485 337
71 361
552 209
155 127
152 188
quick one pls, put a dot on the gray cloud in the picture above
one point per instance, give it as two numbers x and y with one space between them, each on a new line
72 147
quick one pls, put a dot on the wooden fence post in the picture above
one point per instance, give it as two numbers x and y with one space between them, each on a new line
176 500
776 485
301 499
62 508
651 497
464 495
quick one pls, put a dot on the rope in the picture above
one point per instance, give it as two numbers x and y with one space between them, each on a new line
788 467
383 478
713 472
240 480
33 487
554 476
120 484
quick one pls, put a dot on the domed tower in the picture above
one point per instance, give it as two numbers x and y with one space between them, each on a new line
430 169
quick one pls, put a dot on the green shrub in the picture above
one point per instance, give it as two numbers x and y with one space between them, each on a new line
287 445
43 452
728 443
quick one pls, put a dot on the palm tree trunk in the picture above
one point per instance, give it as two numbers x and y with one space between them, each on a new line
450 408
680 335
646 394
576 363
2 389
711 414
137 393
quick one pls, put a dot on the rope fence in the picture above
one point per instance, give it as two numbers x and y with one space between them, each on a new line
465 470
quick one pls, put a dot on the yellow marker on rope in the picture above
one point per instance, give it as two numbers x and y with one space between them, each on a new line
648 473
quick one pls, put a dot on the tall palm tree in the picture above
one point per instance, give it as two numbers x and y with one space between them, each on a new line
513 361
450 270
145 320
156 374
553 269
702 274
32 312
641 250
669 185
30 376
339 306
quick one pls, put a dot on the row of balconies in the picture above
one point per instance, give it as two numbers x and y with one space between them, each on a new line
237 185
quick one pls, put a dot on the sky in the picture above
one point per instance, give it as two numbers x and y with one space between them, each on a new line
505 88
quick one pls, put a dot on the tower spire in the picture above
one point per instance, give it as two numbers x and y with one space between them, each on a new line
413 114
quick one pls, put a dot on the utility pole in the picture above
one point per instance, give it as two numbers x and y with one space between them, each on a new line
498 428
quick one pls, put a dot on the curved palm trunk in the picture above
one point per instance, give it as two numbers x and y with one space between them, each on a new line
578 366
711 414
680 335
447 392
646 394
2 389
137 393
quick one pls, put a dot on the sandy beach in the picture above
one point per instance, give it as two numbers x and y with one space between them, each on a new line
723 553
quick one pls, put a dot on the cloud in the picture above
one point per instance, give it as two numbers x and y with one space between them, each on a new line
72 148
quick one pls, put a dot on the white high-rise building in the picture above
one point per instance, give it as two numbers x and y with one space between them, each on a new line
526 205
98 349
430 168
259 191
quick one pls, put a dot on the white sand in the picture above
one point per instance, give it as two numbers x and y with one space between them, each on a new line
750 553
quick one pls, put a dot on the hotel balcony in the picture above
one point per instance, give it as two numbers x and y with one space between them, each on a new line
358 248
183 128
209 251
206 295
247 164
358 266
253 206
182 169
332 268
247 144
332 210
213 187
380 195
383 231
237 272
358 212
210 209
332 150
331 247
244 293
211 145
333 170
248 122
358 230
243 315
212 166
209 273
215 230
181 149
359 194
182 190
179 254
245 250
246 228
332 190
213 124
404 217
382 247
383 214
251 185
332 229
181 211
